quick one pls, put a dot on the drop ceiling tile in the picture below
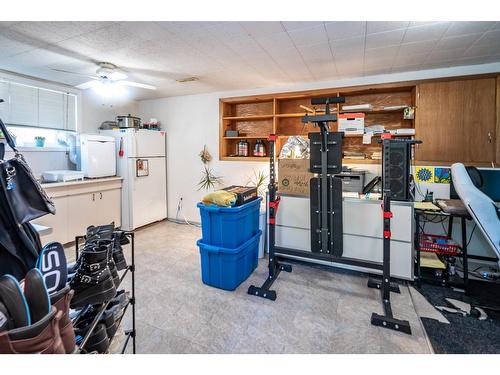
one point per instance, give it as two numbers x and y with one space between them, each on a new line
243 45
296 25
321 50
376 70
262 28
110 38
427 32
378 61
445 55
276 41
310 36
381 26
9 47
383 52
348 55
417 47
6 24
476 60
405 68
38 32
345 29
490 37
462 28
357 42
458 41
482 50
149 30
384 39
422 23
409 59
223 30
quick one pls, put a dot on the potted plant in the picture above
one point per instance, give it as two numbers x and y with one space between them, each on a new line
39 141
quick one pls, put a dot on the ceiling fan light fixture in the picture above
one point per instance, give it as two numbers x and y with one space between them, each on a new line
117 75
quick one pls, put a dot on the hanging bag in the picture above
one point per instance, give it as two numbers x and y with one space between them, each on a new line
25 197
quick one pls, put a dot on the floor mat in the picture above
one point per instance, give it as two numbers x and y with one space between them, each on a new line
464 334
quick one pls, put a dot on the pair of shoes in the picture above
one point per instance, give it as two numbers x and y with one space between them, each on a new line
93 281
106 327
98 341
30 321
108 232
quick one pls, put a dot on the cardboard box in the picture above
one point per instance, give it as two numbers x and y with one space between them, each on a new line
294 177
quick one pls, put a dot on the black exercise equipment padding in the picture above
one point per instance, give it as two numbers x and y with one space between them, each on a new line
330 100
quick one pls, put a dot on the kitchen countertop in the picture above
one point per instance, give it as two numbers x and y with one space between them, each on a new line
42 230
80 182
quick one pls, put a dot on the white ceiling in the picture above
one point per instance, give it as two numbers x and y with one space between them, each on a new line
239 55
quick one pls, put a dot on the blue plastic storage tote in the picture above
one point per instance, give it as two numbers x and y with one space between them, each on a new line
229 227
227 268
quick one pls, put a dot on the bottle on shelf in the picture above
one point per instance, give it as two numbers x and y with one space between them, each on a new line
242 148
259 149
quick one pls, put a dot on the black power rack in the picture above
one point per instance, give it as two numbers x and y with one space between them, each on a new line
129 333
326 229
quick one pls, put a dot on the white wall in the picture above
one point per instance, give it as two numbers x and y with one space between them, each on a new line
96 110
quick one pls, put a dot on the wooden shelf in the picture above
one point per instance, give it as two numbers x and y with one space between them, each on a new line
281 114
245 158
263 137
248 118
361 161
381 111
284 115
378 135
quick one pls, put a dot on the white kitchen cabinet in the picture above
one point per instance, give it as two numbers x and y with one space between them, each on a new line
58 222
108 207
81 215
80 204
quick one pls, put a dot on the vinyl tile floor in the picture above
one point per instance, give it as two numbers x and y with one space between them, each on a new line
317 310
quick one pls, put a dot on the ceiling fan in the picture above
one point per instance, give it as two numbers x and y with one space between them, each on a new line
107 74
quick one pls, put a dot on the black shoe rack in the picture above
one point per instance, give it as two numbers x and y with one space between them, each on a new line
129 334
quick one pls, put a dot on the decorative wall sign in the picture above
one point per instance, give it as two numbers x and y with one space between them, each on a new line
442 175
424 174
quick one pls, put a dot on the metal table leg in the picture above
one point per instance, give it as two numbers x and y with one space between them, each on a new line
417 248
464 254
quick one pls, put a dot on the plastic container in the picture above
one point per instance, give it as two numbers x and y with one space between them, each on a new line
433 243
227 268
229 227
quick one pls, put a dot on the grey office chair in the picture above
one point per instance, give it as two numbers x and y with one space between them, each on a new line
482 208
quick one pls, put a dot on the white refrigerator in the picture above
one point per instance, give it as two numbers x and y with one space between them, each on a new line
141 161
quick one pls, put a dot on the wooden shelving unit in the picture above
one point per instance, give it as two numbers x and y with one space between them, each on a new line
258 116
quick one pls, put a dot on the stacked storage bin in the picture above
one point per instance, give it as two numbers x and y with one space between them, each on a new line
229 247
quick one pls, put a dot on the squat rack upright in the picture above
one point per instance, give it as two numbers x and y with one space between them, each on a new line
329 214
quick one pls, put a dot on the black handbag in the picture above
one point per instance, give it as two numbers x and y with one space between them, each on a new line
25 197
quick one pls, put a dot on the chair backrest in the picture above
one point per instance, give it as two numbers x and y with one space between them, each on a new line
480 206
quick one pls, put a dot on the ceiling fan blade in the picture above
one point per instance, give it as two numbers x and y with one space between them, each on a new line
74 73
136 84
87 85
